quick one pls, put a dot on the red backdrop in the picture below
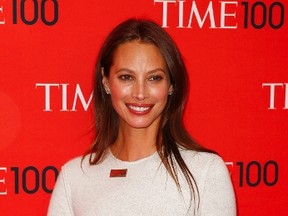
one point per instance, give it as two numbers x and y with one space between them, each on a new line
236 54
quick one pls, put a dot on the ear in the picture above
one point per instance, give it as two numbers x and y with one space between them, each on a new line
105 81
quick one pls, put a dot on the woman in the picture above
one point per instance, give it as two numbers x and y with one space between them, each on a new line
143 161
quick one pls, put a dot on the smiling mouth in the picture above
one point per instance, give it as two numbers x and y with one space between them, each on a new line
139 108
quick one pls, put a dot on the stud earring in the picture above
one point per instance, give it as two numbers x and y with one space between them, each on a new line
107 90
170 93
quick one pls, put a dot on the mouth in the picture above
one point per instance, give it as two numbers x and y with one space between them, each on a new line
139 109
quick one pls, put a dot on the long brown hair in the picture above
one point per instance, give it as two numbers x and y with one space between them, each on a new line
171 133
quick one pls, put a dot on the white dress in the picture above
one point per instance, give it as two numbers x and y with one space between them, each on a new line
147 189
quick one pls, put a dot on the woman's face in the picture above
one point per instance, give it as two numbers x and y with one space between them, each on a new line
138 83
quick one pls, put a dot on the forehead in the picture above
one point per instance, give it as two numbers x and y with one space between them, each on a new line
138 53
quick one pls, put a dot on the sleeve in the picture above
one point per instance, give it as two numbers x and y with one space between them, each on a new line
218 197
60 202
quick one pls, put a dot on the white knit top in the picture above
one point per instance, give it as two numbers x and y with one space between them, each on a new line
147 189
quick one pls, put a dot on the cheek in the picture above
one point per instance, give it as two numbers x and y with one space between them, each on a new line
119 92
161 94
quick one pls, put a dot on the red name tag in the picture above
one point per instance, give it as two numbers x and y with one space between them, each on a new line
118 173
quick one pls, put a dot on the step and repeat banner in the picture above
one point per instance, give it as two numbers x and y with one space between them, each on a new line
236 54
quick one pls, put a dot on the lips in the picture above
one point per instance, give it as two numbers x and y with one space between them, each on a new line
139 109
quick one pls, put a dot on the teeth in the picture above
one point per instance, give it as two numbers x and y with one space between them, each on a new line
139 109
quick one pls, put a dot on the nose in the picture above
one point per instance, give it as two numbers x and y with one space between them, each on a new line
140 91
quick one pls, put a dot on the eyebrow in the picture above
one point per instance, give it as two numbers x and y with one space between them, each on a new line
149 72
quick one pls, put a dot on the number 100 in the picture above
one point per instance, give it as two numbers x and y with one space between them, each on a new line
254 173
36 12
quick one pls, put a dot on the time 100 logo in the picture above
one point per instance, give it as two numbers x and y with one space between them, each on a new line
39 10
254 173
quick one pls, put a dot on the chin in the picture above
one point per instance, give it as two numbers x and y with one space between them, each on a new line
140 125
141 122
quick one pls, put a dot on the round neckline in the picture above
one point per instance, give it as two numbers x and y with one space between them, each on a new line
132 162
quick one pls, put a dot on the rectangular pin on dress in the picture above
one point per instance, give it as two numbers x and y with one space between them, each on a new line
118 173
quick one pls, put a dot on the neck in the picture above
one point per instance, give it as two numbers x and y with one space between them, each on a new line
134 144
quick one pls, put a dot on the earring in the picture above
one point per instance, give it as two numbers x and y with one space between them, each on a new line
107 90
170 93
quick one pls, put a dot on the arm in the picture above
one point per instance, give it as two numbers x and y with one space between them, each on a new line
218 197
60 202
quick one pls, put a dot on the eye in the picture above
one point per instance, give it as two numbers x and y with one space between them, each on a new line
155 78
126 77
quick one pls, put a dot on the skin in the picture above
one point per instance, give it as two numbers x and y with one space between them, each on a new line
139 87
